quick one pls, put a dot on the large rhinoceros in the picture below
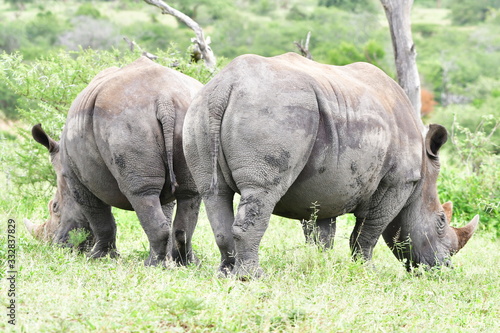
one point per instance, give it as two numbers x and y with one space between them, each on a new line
288 133
122 147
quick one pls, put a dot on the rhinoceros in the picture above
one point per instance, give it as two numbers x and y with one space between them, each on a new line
122 146
287 134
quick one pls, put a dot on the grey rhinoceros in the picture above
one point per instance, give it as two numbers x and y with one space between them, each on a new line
122 146
286 133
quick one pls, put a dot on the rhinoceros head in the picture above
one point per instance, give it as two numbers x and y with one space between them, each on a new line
421 234
65 214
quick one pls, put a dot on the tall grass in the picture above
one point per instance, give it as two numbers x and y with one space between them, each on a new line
305 289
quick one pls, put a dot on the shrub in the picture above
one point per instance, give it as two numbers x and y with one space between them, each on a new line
472 193
470 178
44 29
465 12
350 5
153 35
470 120
347 53
296 14
87 9
8 102
11 36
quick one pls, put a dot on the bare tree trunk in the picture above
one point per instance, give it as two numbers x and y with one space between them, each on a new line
398 15
200 43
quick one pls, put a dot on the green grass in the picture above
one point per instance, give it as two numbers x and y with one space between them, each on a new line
305 290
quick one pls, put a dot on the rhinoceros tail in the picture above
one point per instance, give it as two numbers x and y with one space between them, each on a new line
217 103
165 113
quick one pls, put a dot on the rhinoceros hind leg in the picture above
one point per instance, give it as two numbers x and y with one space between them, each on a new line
250 224
103 227
155 225
219 208
183 227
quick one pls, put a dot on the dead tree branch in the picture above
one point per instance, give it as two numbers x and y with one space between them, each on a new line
133 45
304 48
201 44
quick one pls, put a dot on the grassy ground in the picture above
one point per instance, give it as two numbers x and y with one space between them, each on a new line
304 290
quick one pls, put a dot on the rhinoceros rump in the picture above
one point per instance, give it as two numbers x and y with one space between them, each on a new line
122 147
286 132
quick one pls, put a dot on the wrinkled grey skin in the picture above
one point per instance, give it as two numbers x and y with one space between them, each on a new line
286 132
122 147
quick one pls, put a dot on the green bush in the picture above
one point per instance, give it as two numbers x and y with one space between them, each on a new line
351 5
346 53
425 29
11 36
44 29
18 4
152 36
470 173
8 102
453 61
264 7
465 12
463 120
472 193
87 9
296 14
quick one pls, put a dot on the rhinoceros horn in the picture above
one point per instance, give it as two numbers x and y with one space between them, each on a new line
32 228
465 233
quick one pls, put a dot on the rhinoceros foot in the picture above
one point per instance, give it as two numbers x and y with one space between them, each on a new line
184 259
247 271
225 268
155 260
100 253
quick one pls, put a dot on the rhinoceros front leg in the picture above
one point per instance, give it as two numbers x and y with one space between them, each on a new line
183 227
155 225
103 226
373 219
364 238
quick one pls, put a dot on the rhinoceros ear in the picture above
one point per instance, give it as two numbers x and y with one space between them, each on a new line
448 210
436 137
41 137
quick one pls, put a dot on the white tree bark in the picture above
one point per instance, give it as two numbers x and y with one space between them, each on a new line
398 15
200 43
